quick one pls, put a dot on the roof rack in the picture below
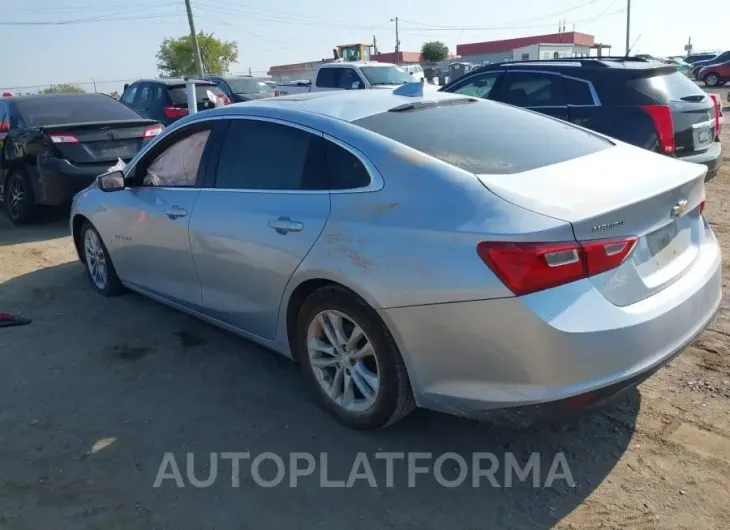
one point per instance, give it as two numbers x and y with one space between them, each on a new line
583 61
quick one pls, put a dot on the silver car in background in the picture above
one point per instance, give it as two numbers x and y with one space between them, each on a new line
438 251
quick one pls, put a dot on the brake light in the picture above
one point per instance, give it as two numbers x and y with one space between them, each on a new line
702 207
64 138
530 267
716 102
152 131
226 100
173 112
276 93
605 254
7 95
661 115
4 126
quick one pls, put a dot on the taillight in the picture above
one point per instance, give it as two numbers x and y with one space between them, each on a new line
716 102
226 100
4 126
64 138
175 112
276 93
529 267
605 254
154 130
7 95
661 115
702 207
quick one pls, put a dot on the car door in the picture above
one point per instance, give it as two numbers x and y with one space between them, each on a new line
478 86
541 91
256 219
146 224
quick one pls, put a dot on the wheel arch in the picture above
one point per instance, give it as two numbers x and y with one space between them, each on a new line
77 222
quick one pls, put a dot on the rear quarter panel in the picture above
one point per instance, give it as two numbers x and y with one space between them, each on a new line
414 241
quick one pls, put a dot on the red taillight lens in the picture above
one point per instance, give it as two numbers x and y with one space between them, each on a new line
4 126
529 267
605 254
63 138
152 131
226 99
7 95
175 112
661 115
716 102
702 207
276 93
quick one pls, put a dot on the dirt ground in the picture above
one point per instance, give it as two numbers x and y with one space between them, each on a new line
95 391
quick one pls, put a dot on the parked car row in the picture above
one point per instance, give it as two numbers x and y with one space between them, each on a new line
52 146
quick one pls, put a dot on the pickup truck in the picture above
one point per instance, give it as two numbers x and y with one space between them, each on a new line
348 76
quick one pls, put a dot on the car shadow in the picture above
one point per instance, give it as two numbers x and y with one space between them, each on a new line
51 223
106 387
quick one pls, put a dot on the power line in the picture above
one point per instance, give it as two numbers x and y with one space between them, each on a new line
434 27
86 20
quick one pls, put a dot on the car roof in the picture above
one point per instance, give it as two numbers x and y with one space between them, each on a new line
346 105
171 81
627 63
347 64
46 97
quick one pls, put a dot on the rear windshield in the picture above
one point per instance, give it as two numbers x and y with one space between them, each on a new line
179 95
669 87
247 85
486 137
60 110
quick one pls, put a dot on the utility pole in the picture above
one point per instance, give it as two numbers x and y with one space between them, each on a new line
375 45
397 40
196 48
628 25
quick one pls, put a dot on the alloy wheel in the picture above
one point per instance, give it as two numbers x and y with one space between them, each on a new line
343 361
16 197
95 259
711 80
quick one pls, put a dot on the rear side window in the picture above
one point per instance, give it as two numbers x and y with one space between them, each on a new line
486 137
60 110
346 172
251 158
577 92
179 95
528 89
478 86
128 96
668 87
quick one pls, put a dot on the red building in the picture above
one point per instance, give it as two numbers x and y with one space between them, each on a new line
499 46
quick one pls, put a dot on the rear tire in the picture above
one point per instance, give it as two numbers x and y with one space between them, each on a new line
712 79
18 200
370 366
99 266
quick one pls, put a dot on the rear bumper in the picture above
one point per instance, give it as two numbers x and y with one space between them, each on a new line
710 158
468 358
59 180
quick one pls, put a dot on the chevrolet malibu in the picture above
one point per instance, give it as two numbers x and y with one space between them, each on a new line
415 250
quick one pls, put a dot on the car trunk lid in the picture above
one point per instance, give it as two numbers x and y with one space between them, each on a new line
618 193
106 141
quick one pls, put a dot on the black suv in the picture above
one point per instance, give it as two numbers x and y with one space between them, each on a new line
644 103
166 100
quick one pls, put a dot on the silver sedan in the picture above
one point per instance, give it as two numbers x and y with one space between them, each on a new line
415 250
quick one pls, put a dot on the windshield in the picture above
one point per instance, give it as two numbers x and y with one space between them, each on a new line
385 75
247 85
60 110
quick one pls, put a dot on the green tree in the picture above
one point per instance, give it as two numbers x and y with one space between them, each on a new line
176 56
63 88
434 51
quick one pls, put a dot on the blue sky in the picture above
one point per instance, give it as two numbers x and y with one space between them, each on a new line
121 39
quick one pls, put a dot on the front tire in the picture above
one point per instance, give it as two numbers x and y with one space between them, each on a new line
351 361
99 266
18 199
712 79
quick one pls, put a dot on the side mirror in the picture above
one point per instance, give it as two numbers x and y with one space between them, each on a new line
112 181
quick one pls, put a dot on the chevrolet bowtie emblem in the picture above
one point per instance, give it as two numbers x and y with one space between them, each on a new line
679 208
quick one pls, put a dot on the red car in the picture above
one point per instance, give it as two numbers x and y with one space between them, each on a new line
715 75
